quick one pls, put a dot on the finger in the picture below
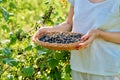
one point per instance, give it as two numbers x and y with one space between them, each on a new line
85 37
84 44
78 47
87 42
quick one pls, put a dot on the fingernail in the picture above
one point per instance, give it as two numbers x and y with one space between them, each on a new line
78 47
83 38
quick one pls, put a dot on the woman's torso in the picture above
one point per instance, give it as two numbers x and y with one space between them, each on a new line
101 57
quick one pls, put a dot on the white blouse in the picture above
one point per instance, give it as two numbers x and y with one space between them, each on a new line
101 57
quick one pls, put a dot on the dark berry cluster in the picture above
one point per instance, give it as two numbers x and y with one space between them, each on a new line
60 38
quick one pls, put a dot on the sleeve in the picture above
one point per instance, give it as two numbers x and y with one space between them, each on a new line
72 2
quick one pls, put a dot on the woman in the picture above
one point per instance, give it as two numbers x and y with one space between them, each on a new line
98 57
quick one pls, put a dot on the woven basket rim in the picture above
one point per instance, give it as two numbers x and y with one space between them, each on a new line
57 46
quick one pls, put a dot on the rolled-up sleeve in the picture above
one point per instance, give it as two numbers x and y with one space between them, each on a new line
71 2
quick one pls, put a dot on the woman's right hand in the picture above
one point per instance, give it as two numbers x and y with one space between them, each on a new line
41 30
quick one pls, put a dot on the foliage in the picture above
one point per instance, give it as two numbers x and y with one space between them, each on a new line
20 57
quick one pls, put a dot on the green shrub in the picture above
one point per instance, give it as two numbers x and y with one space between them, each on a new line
20 57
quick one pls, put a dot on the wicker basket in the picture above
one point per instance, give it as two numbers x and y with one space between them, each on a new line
57 46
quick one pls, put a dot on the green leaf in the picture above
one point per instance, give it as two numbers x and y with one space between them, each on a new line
5 13
5 27
10 77
6 51
28 71
43 66
4 1
41 52
12 38
18 34
67 69
47 2
28 48
0 1
10 61
59 55
53 63
55 74
1 54
1 51
12 5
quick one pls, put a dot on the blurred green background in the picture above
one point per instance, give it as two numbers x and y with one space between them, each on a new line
20 57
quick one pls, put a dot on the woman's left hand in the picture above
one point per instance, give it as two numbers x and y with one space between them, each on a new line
88 38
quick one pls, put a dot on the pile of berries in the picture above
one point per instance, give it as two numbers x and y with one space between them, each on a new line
60 38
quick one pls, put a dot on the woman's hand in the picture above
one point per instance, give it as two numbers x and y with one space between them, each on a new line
88 38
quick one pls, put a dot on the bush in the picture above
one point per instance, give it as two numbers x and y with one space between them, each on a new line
20 58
